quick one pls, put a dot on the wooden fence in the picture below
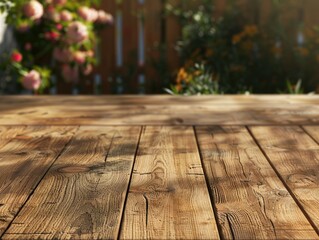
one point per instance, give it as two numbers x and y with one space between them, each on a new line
139 48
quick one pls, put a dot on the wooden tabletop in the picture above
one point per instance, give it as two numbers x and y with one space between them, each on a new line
159 167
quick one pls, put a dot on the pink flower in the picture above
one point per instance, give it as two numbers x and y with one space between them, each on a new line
77 32
16 57
52 14
52 36
79 57
87 70
104 18
63 55
66 16
88 14
32 80
59 26
89 53
33 10
70 74
28 46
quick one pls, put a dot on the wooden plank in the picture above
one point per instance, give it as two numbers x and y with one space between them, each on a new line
23 162
296 158
83 194
159 110
313 131
251 201
7 133
168 196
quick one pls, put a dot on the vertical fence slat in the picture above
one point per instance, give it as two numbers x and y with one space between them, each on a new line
130 43
107 49
153 31
64 87
173 33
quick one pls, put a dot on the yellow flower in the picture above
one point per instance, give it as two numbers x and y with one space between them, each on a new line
181 76
251 30
237 38
197 73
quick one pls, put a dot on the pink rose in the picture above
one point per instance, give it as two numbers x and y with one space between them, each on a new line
52 36
87 69
104 18
89 53
52 14
32 80
63 55
70 74
77 32
79 57
88 14
66 16
33 10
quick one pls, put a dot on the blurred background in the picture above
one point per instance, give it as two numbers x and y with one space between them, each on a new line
173 46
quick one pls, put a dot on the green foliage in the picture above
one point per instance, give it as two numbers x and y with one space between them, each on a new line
39 38
197 80
245 54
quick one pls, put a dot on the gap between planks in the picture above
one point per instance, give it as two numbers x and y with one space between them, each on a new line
279 175
44 174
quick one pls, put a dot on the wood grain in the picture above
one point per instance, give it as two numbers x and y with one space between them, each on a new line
313 131
296 158
159 110
168 196
250 199
83 194
24 159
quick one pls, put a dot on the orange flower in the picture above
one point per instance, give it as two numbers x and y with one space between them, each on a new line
181 76
237 38
178 87
250 30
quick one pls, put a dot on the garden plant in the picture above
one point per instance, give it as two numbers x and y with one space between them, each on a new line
54 38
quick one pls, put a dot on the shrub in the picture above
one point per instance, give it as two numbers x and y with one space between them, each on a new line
54 37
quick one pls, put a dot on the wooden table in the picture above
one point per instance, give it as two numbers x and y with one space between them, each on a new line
134 167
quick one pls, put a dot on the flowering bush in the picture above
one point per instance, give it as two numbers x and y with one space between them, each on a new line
54 37
244 54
